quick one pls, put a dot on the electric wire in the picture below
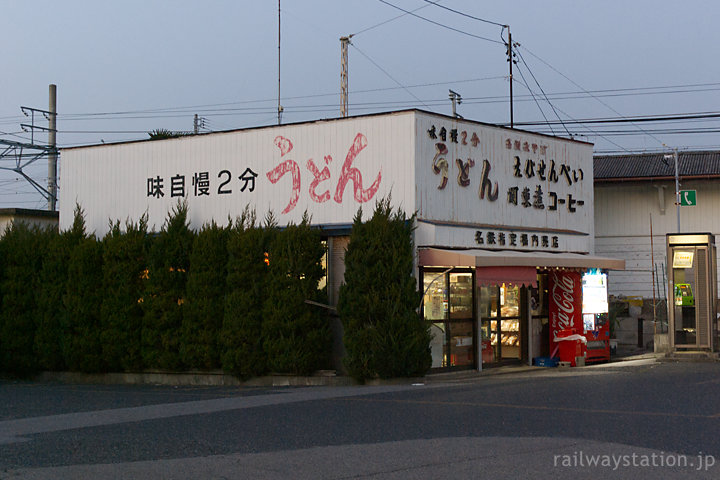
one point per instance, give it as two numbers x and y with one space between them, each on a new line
440 24
589 129
536 102
388 21
543 91
688 88
596 98
387 74
437 4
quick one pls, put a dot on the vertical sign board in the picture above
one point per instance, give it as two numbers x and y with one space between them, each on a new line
565 303
509 189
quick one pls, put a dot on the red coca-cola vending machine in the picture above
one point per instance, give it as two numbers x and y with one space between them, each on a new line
567 340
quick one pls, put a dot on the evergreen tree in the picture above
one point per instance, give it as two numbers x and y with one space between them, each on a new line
121 314
247 283
296 335
21 254
51 287
384 336
82 349
205 300
169 261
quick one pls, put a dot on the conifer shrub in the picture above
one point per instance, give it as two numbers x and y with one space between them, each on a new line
296 335
121 314
383 334
82 348
204 305
21 255
241 338
51 287
169 261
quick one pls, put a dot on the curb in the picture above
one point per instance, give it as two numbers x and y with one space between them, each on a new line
206 379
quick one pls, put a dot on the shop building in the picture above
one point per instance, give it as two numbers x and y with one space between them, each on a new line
504 217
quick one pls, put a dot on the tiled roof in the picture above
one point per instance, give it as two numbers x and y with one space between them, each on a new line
646 166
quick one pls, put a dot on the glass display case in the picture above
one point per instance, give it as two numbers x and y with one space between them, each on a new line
448 303
500 335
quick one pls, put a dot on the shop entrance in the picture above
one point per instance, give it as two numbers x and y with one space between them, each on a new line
502 311
448 308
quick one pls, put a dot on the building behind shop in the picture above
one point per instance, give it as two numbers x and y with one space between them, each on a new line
634 196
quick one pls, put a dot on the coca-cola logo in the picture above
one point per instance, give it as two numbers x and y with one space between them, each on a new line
563 294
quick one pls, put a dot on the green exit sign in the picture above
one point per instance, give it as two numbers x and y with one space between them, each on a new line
688 198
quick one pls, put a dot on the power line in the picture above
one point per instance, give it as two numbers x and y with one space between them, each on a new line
553 96
656 118
386 73
541 89
437 4
536 102
574 83
387 21
589 129
440 24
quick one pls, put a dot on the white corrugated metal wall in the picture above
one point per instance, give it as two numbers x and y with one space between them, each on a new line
622 227
281 168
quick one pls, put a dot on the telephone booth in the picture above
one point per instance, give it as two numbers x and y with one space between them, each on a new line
692 280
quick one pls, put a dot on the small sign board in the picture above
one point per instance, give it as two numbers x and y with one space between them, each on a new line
683 259
688 198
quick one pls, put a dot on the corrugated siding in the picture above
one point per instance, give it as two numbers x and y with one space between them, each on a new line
111 181
636 279
622 227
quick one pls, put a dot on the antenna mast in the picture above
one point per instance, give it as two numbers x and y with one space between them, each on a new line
279 107
344 41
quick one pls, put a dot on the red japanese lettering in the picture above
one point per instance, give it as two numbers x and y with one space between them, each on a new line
350 173
289 165
320 176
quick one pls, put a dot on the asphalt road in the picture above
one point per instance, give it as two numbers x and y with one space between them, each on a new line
636 420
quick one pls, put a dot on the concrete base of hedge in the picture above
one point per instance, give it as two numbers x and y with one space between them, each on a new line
204 378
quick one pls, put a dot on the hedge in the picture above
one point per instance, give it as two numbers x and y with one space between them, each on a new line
225 297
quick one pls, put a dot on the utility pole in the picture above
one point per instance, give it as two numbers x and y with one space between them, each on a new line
52 152
279 107
455 98
344 41
510 60
198 123
677 188
10 149
674 156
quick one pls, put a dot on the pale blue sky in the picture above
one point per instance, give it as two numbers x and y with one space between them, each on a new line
163 61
